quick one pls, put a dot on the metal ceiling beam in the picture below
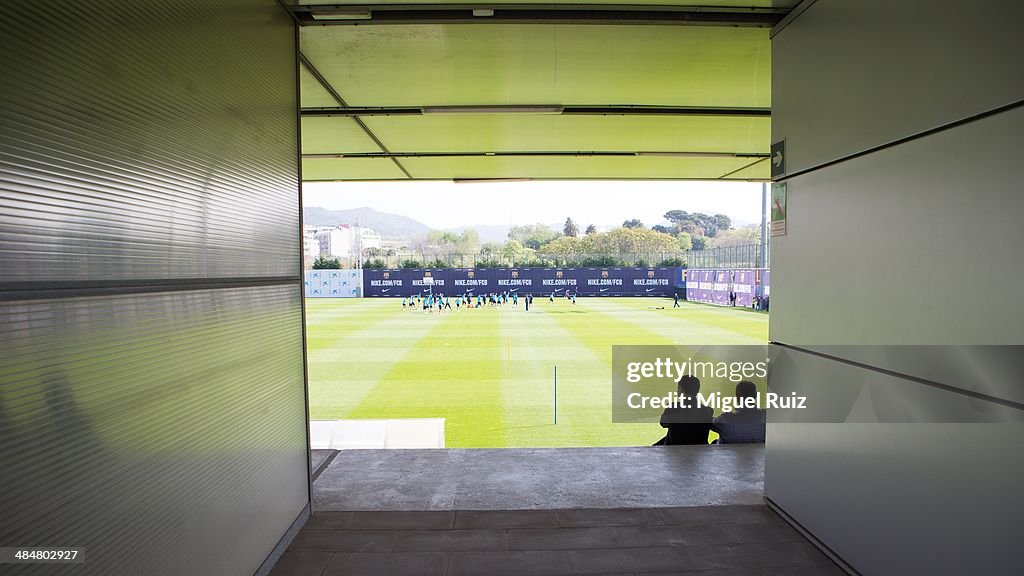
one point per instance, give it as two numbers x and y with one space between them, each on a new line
472 13
531 179
759 156
625 110
742 168
341 102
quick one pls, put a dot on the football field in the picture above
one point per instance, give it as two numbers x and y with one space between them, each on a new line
490 372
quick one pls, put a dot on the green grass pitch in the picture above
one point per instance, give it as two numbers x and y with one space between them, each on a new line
489 372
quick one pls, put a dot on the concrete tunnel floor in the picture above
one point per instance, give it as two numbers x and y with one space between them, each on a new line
537 478
678 510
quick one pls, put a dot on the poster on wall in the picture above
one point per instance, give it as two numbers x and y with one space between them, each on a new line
779 208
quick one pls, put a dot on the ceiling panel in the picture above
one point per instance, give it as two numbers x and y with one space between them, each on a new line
433 65
582 167
334 136
350 169
519 132
708 3
759 170
312 93
420 65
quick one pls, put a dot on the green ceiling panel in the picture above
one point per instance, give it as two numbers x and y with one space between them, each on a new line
334 136
519 132
756 171
541 64
432 65
350 169
581 167
311 93
715 3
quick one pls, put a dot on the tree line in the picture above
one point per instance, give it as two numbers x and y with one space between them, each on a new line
631 244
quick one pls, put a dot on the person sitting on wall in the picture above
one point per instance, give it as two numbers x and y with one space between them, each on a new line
743 425
686 423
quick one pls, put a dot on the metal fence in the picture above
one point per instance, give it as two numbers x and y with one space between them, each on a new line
745 256
533 260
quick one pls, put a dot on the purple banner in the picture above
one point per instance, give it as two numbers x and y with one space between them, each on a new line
538 281
702 286
395 283
714 286
471 281
744 285
720 293
521 280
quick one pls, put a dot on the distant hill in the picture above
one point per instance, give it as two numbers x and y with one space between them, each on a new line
388 225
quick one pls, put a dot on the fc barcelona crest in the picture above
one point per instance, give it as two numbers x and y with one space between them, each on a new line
387 275
471 274
558 274
604 273
515 273
650 273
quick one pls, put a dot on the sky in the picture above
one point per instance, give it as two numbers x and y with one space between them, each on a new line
446 204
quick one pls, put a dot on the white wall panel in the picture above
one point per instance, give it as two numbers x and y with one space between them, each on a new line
912 243
848 75
924 238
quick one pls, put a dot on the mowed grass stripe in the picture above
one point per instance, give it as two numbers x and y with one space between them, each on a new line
453 372
601 323
386 362
588 323
329 320
585 390
349 352
690 323
539 342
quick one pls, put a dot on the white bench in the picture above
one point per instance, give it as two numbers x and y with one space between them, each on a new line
361 434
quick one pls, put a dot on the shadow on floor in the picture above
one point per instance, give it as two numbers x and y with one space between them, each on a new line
539 478
676 510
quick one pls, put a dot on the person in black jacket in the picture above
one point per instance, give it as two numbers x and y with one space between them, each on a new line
743 425
687 423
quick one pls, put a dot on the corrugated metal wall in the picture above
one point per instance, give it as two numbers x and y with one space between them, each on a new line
152 397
